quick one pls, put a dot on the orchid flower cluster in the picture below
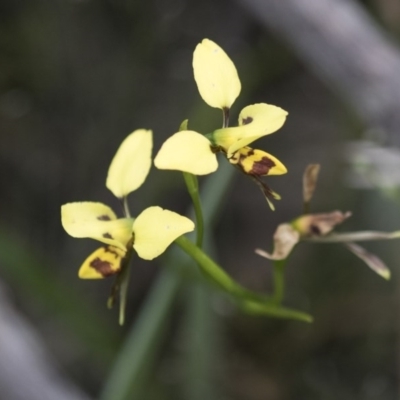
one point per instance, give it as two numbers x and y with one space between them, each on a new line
155 229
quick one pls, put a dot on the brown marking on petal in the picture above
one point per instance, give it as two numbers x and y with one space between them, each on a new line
250 153
104 218
247 120
262 167
314 230
269 194
102 267
109 249
319 224
107 236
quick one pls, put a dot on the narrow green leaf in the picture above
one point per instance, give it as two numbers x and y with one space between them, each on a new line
192 185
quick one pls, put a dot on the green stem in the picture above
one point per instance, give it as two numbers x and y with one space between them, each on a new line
214 272
201 321
193 189
120 287
140 349
249 301
279 281
136 359
259 308
123 294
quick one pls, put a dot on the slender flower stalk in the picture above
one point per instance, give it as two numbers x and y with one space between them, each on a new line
193 189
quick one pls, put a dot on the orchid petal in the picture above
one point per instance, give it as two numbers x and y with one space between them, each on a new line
310 179
131 164
257 162
285 238
155 229
102 263
215 75
96 221
187 151
373 261
355 237
255 121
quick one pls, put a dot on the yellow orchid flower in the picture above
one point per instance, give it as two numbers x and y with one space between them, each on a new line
255 121
219 86
192 152
149 234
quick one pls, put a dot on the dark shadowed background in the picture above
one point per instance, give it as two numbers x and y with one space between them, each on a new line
76 77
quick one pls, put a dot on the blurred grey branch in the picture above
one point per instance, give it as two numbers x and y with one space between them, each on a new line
346 49
26 369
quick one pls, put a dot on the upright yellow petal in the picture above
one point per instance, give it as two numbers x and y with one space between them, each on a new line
131 164
255 121
155 229
257 162
215 75
102 263
187 151
96 221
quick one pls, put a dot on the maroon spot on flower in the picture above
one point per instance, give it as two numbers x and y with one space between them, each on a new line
250 153
262 167
107 236
314 229
104 218
247 120
110 249
102 267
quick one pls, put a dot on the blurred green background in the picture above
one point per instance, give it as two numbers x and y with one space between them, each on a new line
76 77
